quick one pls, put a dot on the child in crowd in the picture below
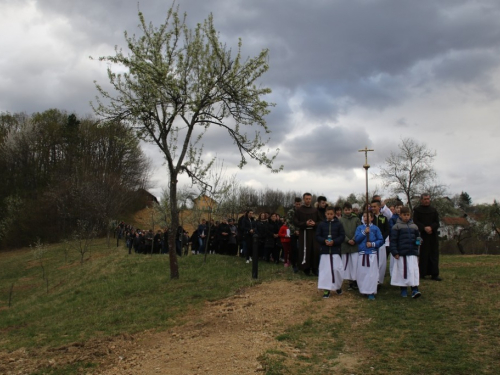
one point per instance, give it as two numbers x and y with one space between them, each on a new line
330 235
338 212
392 221
382 222
369 240
284 234
395 215
405 242
350 221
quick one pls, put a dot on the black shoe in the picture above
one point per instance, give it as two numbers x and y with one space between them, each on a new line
295 270
339 291
436 278
415 294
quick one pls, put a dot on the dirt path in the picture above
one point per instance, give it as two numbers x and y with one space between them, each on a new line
225 337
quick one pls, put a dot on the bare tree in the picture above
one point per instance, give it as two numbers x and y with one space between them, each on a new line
229 205
216 186
39 250
494 217
12 209
409 171
83 237
249 197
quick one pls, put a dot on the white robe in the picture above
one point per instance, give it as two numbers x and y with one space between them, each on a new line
382 263
325 279
412 272
367 274
350 262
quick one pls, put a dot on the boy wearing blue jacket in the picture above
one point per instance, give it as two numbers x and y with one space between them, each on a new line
330 234
405 242
369 239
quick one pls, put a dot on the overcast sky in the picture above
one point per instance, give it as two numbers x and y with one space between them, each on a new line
343 74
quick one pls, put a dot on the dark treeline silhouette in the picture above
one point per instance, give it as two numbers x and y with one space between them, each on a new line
59 169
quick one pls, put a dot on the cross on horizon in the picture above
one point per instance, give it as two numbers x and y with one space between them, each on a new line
366 166
366 150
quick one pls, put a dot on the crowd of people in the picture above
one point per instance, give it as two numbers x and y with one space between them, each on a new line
338 245
333 243
142 241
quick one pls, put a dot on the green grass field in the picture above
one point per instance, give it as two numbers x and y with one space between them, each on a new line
452 329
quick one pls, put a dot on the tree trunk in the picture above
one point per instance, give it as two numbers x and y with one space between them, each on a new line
410 205
207 242
174 224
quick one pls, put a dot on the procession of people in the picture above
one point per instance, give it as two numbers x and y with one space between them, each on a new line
331 243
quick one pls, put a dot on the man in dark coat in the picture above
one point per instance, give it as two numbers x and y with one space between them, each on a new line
427 219
223 234
157 242
306 219
294 234
321 207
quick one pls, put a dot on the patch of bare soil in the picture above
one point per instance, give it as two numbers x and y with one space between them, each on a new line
225 337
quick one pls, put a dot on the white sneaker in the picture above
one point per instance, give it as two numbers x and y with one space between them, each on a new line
248 261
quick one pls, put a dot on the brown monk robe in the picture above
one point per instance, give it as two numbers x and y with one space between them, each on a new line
306 219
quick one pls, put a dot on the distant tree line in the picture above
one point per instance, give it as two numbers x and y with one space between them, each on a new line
59 170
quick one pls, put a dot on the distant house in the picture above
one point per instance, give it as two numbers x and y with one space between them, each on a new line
450 227
146 198
204 203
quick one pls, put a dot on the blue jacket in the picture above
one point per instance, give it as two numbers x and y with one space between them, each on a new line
393 220
403 238
202 229
375 238
336 229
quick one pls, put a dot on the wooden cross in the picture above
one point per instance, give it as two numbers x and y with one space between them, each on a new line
366 166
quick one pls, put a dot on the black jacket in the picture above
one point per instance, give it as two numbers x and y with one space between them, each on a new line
333 228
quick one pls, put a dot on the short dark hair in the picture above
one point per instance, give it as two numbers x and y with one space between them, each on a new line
337 208
376 201
404 210
321 198
398 203
330 208
306 194
298 199
347 205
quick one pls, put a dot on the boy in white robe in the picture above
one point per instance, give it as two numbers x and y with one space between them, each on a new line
330 235
350 221
405 241
369 239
